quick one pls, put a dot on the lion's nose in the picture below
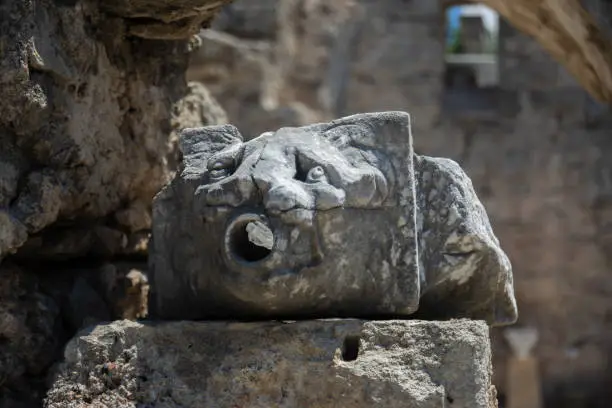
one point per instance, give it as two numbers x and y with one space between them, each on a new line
287 197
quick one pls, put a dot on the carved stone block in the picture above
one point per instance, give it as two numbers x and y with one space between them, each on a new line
337 219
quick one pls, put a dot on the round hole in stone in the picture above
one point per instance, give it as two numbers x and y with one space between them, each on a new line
241 247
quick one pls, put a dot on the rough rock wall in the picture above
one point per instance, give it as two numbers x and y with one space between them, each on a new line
87 111
92 94
536 147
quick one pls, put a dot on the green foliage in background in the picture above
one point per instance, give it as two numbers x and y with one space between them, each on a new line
490 43
455 46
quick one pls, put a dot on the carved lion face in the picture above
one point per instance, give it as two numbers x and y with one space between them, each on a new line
321 221
295 169
300 222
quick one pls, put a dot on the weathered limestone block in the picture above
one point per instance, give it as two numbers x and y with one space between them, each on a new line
325 363
336 219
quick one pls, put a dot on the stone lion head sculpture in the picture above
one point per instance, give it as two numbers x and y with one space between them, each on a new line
338 219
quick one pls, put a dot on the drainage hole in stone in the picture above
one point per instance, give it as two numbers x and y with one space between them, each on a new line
242 247
350 348
449 399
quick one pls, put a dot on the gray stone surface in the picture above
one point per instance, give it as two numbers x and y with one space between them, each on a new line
355 233
327 363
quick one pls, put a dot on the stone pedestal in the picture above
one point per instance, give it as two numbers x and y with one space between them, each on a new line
316 363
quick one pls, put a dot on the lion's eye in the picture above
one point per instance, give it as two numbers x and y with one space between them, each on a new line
219 170
455 258
315 175
218 174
